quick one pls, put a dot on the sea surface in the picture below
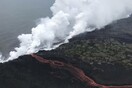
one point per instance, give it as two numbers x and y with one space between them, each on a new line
17 17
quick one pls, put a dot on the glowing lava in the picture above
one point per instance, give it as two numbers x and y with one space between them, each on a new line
76 72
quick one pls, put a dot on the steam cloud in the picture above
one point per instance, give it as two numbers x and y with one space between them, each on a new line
70 18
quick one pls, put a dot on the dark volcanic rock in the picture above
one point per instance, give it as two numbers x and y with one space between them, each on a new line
104 55
26 72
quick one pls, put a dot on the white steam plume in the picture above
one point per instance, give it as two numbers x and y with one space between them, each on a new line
70 18
2 59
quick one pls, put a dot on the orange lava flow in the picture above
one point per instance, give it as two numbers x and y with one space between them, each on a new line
76 72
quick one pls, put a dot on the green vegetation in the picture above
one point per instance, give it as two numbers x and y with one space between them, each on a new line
99 51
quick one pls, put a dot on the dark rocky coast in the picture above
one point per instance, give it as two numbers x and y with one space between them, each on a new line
104 55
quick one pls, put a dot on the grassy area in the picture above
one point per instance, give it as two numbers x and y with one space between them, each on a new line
99 51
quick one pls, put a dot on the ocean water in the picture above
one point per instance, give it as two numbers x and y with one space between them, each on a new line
17 17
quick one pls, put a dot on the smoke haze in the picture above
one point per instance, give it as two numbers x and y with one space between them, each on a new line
70 18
